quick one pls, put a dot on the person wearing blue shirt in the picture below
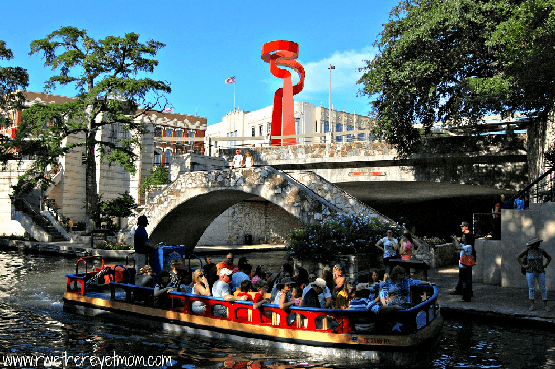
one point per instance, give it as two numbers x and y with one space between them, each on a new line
141 243
520 204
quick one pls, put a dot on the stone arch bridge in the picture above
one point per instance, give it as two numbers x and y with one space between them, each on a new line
180 213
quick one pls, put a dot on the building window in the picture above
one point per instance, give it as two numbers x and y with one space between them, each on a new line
157 132
169 132
168 157
157 158
179 133
253 131
269 125
261 130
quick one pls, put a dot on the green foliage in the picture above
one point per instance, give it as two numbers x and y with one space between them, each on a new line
112 95
120 207
342 235
458 60
159 176
109 245
12 79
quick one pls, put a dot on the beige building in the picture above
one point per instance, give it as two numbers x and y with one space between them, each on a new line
68 188
312 121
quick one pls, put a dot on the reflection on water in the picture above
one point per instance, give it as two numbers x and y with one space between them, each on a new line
32 323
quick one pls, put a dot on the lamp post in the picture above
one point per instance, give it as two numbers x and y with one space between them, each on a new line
331 125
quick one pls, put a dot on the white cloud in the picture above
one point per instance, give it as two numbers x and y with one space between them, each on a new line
343 80
345 74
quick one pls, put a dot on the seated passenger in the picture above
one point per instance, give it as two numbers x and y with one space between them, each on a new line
395 292
260 297
282 298
200 287
210 270
240 276
246 287
310 298
244 295
346 295
176 275
222 289
227 264
297 295
161 290
145 278
338 280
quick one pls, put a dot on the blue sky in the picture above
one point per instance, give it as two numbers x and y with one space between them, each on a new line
206 42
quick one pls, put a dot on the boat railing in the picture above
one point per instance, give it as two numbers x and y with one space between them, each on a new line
79 282
300 318
84 260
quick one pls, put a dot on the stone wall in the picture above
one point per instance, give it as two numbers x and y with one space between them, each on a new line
496 260
497 162
265 222
335 195
8 178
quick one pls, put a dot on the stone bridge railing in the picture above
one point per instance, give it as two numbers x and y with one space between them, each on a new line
184 209
349 204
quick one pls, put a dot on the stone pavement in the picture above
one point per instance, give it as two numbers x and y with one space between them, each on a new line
491 303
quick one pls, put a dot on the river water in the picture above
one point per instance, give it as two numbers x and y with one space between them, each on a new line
34 327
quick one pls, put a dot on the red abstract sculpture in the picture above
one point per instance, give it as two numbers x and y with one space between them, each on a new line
283 53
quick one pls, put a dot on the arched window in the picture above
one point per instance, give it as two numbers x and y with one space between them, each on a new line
168 157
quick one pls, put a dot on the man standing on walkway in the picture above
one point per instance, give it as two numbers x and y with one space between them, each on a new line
466 246
143 248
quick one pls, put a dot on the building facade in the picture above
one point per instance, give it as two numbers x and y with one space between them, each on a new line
312 122
67 191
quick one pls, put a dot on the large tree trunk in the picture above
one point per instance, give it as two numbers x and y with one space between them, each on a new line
91 195
541 138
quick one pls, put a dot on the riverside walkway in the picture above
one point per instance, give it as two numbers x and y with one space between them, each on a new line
492 304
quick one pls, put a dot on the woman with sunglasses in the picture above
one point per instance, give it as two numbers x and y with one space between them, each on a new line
200 287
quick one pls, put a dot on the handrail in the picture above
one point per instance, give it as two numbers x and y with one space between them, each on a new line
199 259
344 318
85 262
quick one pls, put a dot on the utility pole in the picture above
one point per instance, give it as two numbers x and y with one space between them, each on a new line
330 123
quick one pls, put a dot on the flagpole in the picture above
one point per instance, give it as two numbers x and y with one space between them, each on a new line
234 84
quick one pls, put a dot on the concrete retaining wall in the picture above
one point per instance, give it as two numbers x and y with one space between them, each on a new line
496 260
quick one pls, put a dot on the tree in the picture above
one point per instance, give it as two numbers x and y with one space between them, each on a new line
12 79
121 207
456 61
158 176
108 75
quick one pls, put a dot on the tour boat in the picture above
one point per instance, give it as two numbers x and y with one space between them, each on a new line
398 337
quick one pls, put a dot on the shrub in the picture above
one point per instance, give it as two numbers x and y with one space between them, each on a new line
159 176
110 245
341 235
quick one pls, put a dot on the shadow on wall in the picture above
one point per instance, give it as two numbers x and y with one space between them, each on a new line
496 260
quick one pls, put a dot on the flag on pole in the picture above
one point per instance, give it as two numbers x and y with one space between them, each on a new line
230 80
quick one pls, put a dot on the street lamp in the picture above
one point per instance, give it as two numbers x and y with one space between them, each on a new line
331 125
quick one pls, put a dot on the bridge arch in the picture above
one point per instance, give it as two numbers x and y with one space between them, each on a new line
184 209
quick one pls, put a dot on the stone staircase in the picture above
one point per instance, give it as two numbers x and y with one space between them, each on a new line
38 220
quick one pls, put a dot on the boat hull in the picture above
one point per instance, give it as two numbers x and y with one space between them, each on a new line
312 345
